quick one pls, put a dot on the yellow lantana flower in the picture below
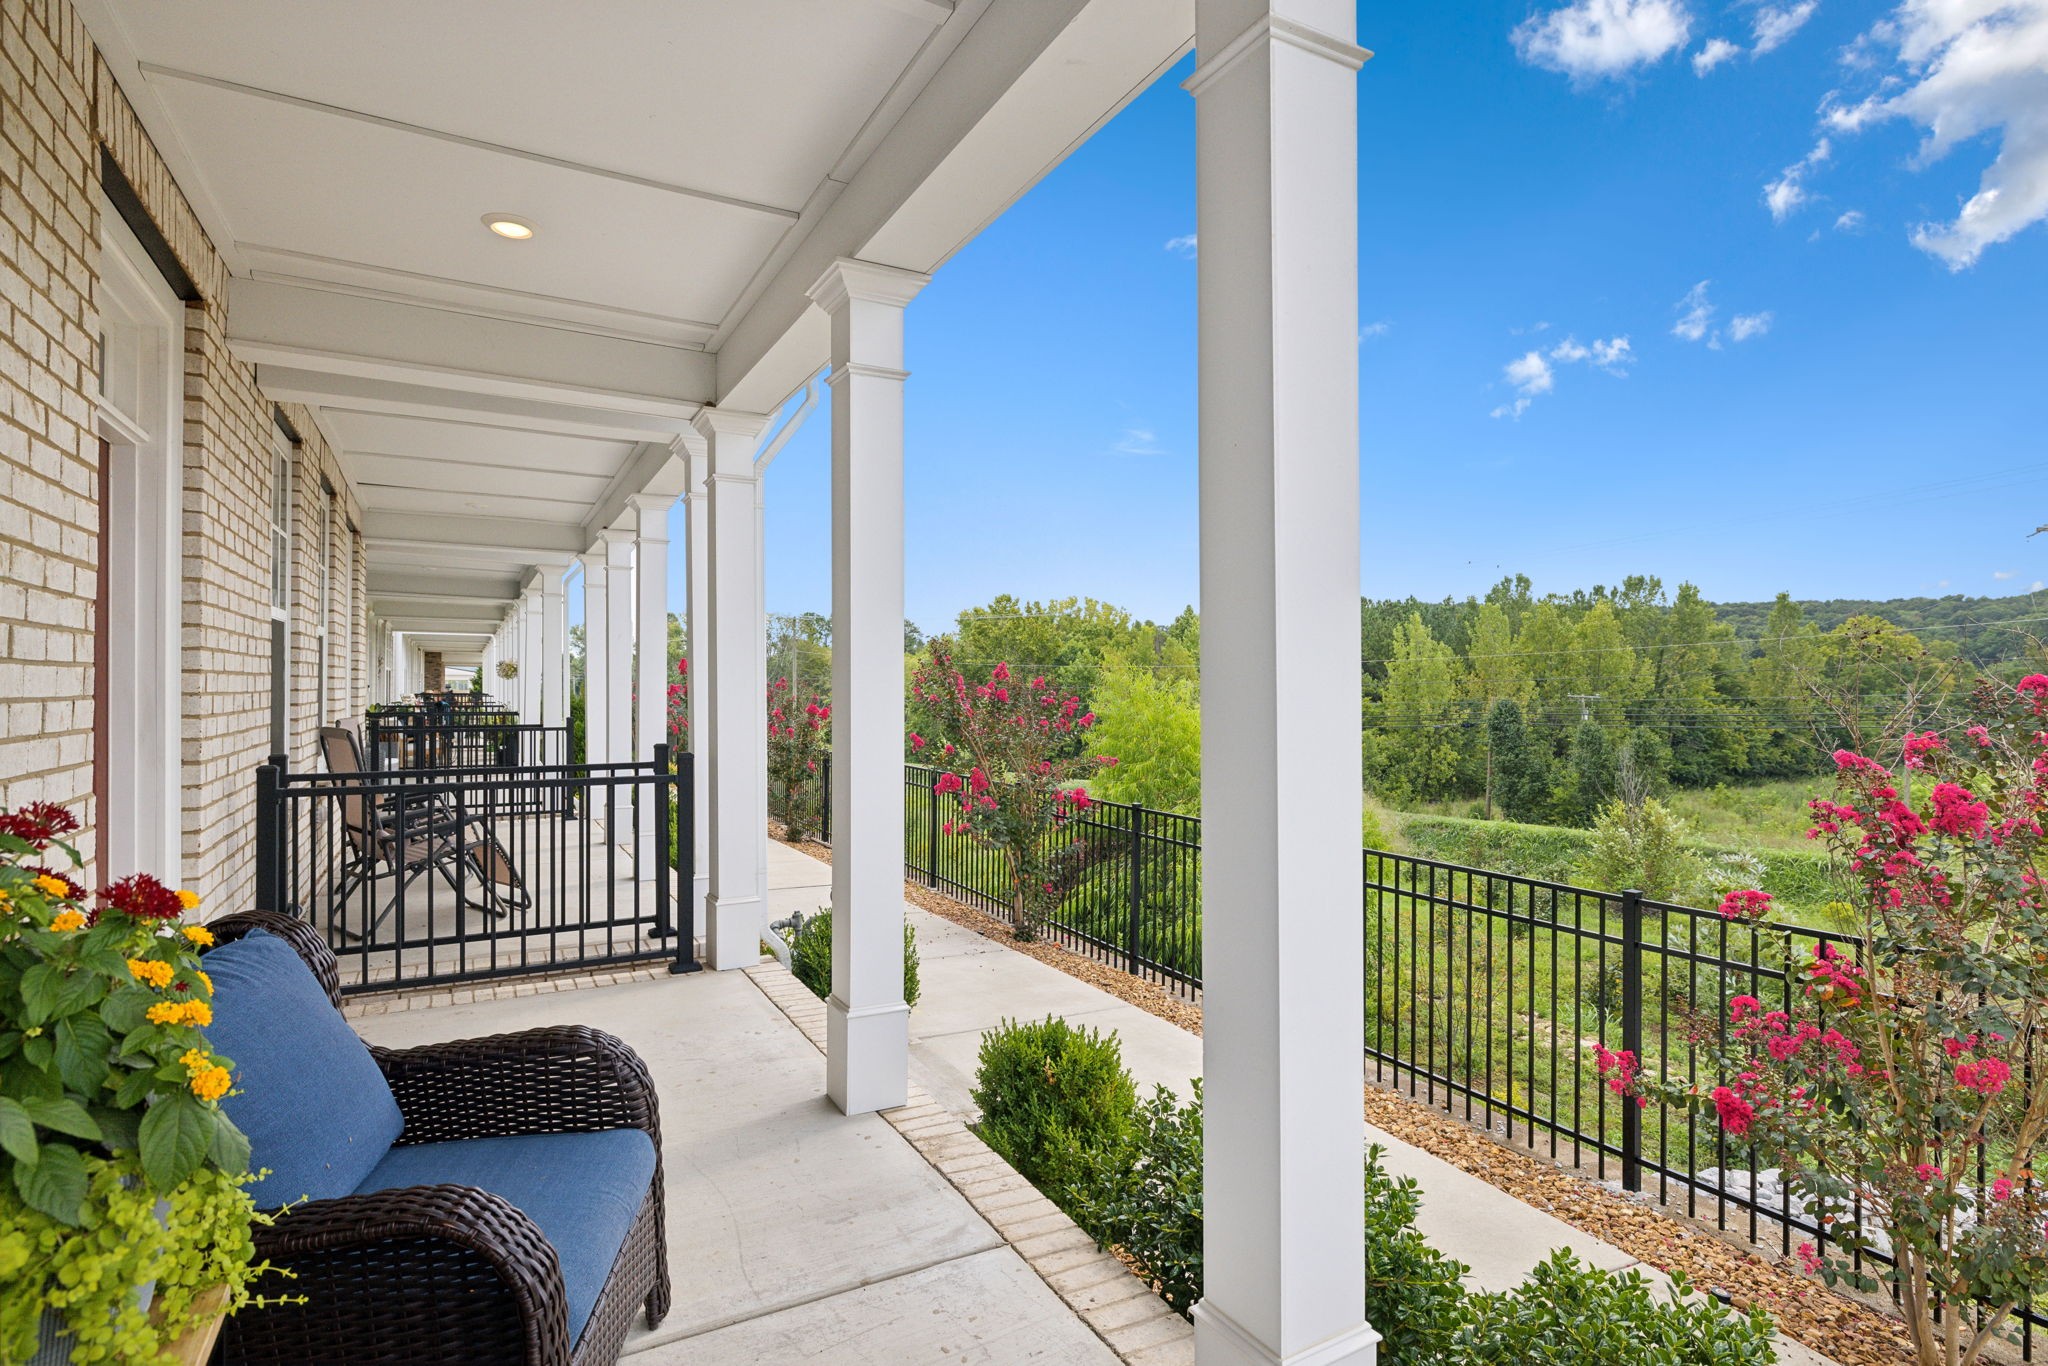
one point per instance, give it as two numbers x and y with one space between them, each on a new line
190 901
68 920
212 1083
204 979
151 972
51 886
195 1060
180 1012
198 934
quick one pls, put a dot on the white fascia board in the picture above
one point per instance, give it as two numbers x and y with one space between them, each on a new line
320 330
476 537
1025 86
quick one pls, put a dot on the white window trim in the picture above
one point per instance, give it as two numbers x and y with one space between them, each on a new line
142 421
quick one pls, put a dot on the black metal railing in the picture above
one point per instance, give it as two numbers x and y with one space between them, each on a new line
409 743
1485 992
422 876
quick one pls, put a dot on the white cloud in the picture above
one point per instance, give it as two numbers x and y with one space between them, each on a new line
1590 39
1743 326
1717 51
1378 329
2003 574
1182 246
1138 441
1695 315
1964 69
1852 221
1775 26
1531 375
1785 194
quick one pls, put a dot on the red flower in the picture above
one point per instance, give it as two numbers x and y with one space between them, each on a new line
1956 812
1987 1077
1748 905
1736 1113
977 781
916 740
38 823
948 782
143 897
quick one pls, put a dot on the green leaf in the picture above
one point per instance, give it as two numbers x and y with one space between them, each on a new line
17 1132
54 1184
123 1012
174 1137
118 1128
47 991
39 1052
66 1116
82 1047
229 1150
133 1088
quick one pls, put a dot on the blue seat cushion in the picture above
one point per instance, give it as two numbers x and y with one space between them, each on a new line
312 1100
583 1190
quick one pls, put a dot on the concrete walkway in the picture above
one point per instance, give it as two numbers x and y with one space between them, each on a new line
971 983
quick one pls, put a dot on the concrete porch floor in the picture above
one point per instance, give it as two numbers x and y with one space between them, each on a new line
795 1233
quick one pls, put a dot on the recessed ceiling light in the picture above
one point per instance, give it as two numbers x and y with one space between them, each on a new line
509 225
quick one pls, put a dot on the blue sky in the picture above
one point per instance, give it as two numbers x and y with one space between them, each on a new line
1855 414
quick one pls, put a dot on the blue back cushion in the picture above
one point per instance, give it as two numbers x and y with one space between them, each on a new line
583 1190
317 1110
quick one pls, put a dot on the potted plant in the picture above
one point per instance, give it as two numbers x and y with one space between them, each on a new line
124 1222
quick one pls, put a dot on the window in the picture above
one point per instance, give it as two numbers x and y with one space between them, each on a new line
323 608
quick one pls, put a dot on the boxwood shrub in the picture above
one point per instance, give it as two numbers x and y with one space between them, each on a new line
1052 1097
810 958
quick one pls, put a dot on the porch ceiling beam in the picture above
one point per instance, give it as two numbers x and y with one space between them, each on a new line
295 326
351 393
492 583
438 626
502 539
491 606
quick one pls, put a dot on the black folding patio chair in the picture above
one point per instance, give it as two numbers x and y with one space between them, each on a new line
402 835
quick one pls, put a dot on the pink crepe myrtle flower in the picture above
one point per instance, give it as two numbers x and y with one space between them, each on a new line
1987 1076
1736 1114
1809 1259
916 740
1746 905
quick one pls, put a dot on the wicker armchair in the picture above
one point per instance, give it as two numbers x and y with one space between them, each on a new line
450 1273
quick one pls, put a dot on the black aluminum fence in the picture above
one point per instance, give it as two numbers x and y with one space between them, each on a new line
1485 993
410 743
454 874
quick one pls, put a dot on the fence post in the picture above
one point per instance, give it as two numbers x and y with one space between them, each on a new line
1632 1034
269 841
662 849
1136 886
825 799
931 828
686 864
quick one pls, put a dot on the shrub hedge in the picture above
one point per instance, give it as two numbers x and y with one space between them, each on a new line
810 958
1056 1101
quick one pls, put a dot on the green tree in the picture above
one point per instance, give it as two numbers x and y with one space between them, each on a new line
1153 726
1520 775
1587 781
1420 712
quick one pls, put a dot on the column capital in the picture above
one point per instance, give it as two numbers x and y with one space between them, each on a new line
548 577
593 562
718 425
652 502
847 280
1275 28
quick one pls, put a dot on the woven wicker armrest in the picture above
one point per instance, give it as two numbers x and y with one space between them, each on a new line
423 1275
557 1080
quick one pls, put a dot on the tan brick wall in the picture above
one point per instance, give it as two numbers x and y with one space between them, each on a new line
49 453
58 104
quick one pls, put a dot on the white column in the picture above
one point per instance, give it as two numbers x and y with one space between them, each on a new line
650 587
867 1025
550 670
618 616
697 518
1283 1025
728 689
596 673
530 623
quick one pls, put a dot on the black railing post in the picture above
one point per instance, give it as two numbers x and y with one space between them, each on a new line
1632 1034
931 826
661 851
269 840
825 799
686 860
1135 886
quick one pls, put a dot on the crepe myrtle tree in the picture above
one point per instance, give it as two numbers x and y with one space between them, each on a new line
1904 1092
1005 760
796 741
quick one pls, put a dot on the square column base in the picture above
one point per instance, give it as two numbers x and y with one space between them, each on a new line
867 1056
732 932
1221 1341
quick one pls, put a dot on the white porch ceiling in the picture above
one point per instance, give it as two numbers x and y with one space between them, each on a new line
691 166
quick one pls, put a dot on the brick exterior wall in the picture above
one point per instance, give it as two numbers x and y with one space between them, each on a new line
58 106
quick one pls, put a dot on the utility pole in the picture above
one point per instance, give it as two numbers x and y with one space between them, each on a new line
1585 701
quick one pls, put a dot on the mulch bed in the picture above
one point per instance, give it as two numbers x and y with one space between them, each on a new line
1848 1331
